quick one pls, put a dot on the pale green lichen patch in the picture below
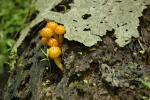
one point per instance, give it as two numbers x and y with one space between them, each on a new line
101 15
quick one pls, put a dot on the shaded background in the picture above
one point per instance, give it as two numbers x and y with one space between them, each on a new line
12 14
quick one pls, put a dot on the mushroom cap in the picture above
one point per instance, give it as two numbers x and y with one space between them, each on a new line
60 30
44 40
52 25
46 32
54 52
52 42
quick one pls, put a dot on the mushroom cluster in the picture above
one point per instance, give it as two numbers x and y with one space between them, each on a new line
56 31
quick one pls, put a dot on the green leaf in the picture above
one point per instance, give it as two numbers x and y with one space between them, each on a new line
2 13
142 81
12 53
134 53
13 56
80 53
8 63
144 97
65 8
9 44
15 49
46 68
94 84
13 66
9 49
43 84
47 53
73 84
85 81
48 81
142 51
144 78
14 61
9 84
44 53
44 59
148 84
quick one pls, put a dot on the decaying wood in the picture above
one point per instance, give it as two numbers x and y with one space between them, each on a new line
104 71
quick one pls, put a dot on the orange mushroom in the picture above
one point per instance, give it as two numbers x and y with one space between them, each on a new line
53 25
52 42
60 60
54 53
46 32
44 40
60 30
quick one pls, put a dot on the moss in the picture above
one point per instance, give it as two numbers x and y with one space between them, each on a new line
73 84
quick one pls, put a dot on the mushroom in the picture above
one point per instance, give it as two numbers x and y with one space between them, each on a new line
60 60
60 30
52 42
54 53
44 40
53 25
46 32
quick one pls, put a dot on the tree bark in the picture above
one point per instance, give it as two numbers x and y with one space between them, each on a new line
103 71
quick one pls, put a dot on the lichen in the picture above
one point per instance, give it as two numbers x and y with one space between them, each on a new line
86 22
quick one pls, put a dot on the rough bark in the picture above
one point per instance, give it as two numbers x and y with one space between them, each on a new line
104 71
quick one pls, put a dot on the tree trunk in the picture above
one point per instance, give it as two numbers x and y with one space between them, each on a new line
103 71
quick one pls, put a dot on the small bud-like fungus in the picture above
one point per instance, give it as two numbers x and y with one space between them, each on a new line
46 32
44 40
60 30
54 53
52 42
53 25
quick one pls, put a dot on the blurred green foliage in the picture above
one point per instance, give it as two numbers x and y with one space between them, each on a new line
12 14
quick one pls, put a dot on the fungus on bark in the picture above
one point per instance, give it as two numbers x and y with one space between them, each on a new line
54 53
53 25
46 32
52 42
44 40
60 30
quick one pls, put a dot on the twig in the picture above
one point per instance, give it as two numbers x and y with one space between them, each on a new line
141 45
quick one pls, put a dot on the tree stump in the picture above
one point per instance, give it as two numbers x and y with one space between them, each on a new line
103 71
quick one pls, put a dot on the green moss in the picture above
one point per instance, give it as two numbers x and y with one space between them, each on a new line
29 60
85 89
73 84
28 90
20 62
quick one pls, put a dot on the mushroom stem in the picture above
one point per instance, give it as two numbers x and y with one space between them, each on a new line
61 39
57 62
56 37
60 44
